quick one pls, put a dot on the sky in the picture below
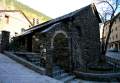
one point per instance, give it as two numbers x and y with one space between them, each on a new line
56 8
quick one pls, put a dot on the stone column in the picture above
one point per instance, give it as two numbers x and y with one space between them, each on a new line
71 63
29 43
49 63
5 41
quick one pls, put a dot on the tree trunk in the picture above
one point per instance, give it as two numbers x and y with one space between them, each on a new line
108 36
105 45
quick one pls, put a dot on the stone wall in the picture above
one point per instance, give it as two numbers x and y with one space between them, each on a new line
83 37
4 41
80 29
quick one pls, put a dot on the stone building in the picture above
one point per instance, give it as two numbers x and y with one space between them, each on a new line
71 41
114 41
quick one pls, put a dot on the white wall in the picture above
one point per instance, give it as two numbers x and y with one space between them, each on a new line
16 22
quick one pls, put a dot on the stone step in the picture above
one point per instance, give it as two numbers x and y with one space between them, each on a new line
56 68
35 59
36 62
75 81
62 76
68 78
58 73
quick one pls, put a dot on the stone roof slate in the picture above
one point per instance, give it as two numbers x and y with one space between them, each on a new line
45 25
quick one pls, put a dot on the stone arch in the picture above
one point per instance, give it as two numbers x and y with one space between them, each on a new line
58 32
61 52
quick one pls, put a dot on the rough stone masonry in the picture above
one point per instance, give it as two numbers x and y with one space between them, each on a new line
71 41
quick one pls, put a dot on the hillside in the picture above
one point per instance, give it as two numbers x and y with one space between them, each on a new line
29 12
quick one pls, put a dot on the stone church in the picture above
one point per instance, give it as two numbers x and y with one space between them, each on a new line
71 41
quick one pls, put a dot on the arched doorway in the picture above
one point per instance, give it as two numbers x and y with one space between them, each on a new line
61 51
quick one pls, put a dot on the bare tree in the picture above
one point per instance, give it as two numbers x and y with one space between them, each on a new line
109 8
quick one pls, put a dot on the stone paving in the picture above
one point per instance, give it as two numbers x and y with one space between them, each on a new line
13 72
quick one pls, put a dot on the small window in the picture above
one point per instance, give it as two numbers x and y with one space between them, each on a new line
33 21
37 21
7 19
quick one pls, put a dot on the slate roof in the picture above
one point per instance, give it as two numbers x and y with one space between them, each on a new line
45 25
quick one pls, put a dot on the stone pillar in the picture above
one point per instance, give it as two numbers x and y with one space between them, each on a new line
5 41
49 63
29 43
71 59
